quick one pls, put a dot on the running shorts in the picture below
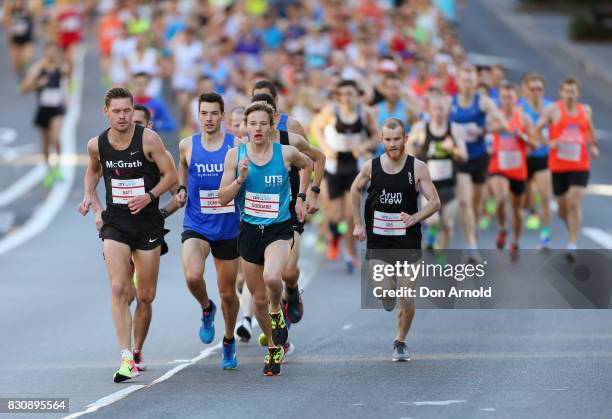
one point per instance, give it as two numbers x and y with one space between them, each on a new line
44 115
477 168
338 185
254 239
220 249
517 187
563 180
536 164
141 232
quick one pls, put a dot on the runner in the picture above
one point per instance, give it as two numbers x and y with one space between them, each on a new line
162 118
210 227
571 129
440 144
19 26
257 175
508 165
285 122
473 111
346 130
539 179
136 171
49 77
235 125
395 180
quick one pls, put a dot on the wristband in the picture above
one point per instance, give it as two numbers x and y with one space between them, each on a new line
164 213
301 195
152 196
181 188
315 189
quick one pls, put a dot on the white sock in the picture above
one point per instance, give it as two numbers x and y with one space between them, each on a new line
572 246
126 353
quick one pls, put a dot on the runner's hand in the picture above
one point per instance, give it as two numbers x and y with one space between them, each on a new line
448 144
85 205
300 210
243 170
359 232
180 198
312 205
408 219
99 222
594 151
137 203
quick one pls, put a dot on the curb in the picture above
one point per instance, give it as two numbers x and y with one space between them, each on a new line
532 31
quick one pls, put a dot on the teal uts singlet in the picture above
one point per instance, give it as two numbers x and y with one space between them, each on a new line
265 195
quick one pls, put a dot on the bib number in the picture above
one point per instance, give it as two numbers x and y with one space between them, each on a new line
125 189
569 145
209 203
509 160
261 205
440 169
388 224
51 96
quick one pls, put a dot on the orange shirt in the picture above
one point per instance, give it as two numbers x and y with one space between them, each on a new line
420 89
110 27
570 133
509 156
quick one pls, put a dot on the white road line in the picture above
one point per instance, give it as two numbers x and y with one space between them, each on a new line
178 361
114 397
23 185
438 402
599 189
598 236
60 192
488 409
347 326
105 401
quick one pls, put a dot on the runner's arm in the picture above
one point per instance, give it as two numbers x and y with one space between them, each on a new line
416 139
495 120
92 176
297 159
317 157
295 127
371 121
545 119
429 191
230 185
172 206
29 81
318 124
529 135
459 152
589 114
357 188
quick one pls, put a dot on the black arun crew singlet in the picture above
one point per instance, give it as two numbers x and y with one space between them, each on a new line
127 173
388 196
439 161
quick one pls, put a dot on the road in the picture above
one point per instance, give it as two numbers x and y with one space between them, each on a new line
59 341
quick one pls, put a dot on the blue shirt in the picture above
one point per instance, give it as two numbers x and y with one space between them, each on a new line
282 122
399 112
542 150
468 116
264 197
203 213
162 118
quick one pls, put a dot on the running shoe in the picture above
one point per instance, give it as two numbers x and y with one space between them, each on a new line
49 180
228 359
294 307
57 174
484 223
321 245
501 239
288 349
570 256
514 252
207 329
352 264
126 371
263 340
343 228
545 243
244 330
533 222
333 249
280 333
139 360
400 352
491 206
474 256
273 361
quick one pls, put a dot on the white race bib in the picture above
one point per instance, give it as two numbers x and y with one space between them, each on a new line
124 189
568 151
209 203
470 126
51 96
509 160
388 224
261 205
440 169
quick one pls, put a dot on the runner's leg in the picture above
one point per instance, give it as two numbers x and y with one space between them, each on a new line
574 212
253 276
227 270
465 191
195 252
117 260
146 263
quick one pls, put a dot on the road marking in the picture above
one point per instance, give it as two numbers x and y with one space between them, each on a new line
439 402
347 326
23 185
598 236
488 409
60 192
178 361
8 135
7 219
599 189
105 401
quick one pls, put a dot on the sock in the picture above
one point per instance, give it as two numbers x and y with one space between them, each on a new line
126 353
545 232
248 319
228 341
292 291
572 246
207 309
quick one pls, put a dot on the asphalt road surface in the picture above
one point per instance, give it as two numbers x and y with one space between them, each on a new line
58 339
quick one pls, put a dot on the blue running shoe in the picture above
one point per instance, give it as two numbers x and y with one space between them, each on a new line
229 360
207 330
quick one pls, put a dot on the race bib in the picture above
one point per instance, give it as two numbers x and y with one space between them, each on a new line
440 169
388 224
509 160
209 203
124 189
51 97
261 205
568 151
468 127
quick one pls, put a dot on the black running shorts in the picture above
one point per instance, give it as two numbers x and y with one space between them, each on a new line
220 249
536 164
563 180
338 185
44 116
254 239
477 168
142 231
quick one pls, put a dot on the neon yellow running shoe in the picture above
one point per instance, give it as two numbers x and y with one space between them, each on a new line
263 340
491 206
533 222
343 228
127 370
57 173
484 223
49 180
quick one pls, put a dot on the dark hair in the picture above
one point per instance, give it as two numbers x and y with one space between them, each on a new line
141 74
145 110
266 84
211 98
262 97
347 83
393 123
570 81
391 76
260 106
117 93
508 85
